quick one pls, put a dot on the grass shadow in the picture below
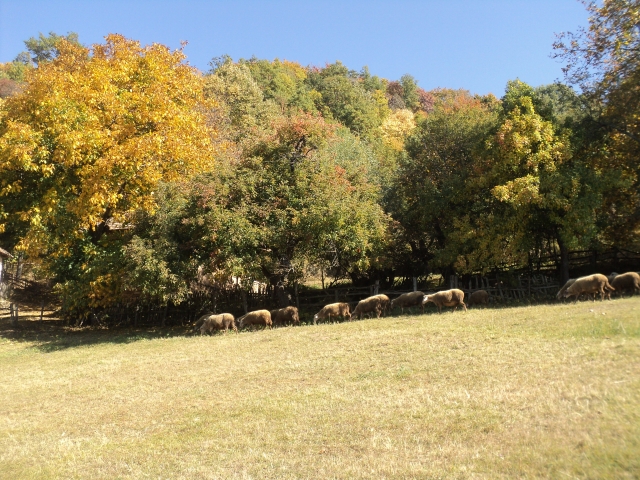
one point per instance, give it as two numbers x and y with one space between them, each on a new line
52 335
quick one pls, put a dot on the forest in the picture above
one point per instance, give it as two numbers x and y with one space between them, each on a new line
127 175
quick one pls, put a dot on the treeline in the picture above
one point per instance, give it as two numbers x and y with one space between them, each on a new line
130 176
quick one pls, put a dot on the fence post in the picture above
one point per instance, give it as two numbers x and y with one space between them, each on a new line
14 314
376 287
336 294
41 309
499 285
415 284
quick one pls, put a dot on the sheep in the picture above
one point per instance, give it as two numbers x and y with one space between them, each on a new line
479 297
333 310
217 322
257 317
384 302
408 300
560 293
200 321
285 316
446 298
627 281
368 306
596 283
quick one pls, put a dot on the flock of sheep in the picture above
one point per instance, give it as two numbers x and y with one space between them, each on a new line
590 285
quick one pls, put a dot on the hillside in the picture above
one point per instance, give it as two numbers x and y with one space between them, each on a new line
548 391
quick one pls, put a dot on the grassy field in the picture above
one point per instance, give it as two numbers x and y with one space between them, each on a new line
543 391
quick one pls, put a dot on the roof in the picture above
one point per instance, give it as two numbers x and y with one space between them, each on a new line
4 253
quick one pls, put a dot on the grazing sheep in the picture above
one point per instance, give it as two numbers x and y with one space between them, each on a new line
200 321
384 302
285 316
408 300
629 281
591 284
224 321
479 297
446 298
368 305
560 293
258 318
333 310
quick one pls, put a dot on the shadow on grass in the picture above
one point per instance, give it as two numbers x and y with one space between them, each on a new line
51 335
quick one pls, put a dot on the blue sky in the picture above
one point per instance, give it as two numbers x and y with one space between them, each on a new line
473 44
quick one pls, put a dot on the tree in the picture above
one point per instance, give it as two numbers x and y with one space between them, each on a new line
45 48
604 62
283 82
430 194
549 194
410 92
239 97
397 127
8 87
343 97
301 196
88 140
41 49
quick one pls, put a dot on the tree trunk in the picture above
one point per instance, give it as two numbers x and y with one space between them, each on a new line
564 261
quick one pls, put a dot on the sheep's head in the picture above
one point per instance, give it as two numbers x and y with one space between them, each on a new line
426 299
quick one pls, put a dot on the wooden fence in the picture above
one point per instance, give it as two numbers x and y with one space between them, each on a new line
502 286
537 288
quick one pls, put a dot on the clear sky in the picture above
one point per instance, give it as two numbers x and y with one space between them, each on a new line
473 44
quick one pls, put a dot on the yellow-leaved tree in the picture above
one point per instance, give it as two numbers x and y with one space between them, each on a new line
90 136
86 143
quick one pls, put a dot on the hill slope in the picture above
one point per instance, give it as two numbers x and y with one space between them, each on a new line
529 391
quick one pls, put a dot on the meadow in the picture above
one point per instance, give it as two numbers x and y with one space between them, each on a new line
547 391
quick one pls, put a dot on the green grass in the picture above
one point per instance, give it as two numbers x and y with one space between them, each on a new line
540 391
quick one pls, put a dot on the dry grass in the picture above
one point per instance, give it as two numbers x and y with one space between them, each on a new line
544 391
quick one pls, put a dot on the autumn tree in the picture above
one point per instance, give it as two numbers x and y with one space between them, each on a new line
429 195
300 196
603 60
86 142
548 193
